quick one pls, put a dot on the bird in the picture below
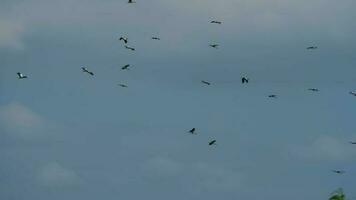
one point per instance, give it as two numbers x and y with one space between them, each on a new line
125 39
212 142
123 85
21 76
313 89
205 82
192 131
214 45
244 80
312 47
125 67
87 71
156 38
272 96
215 22
351 142
353 93
130 1
130 48
338 171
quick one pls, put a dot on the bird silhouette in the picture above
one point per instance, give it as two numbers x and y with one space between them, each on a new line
126 40
123 85
21 76
215 46
205 82
313 89
244 80
215 22
353 93
130 48
125 67
130 1
212 142
351 142
87 71
272 96
338 171
192 131
156 38
312 47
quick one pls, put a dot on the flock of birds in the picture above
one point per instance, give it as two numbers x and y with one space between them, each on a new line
244 80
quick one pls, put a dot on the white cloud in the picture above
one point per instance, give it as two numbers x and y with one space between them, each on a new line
11 34
55 175
20 122
326 148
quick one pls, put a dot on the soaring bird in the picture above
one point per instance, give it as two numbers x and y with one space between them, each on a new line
192 131
130 1
125 67
123 85
214 45
21 76
212 142
313 89
244 80
125 39
351 142
312 47
156 38
87 71
353 93
205 82
272 96
338 171
130 48
215 22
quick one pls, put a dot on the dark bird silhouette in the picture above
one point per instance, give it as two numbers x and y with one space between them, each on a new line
192 131
87 71
215 22
313 89
123 85
353 93
338 171
351 142
205 82
212 142
156 38
272 96
125 67
21 76
126 40
130 1
312 47
215 46
130 48
244 80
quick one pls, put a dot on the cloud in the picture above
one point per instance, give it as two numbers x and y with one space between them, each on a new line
55 175
11 34
21 122
326 148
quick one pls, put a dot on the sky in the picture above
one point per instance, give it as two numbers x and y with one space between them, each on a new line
67 135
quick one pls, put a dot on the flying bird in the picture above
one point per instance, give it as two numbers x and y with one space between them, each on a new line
312 47
272 96
156 38
130 1
21 76
125 67
215 22
351 142
192 131
338 171
130 48
124 39
205 82
123 85
244 80
313 89
214 45
353 93
212 142
87 71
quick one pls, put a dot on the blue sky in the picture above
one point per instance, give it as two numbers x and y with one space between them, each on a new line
67 135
